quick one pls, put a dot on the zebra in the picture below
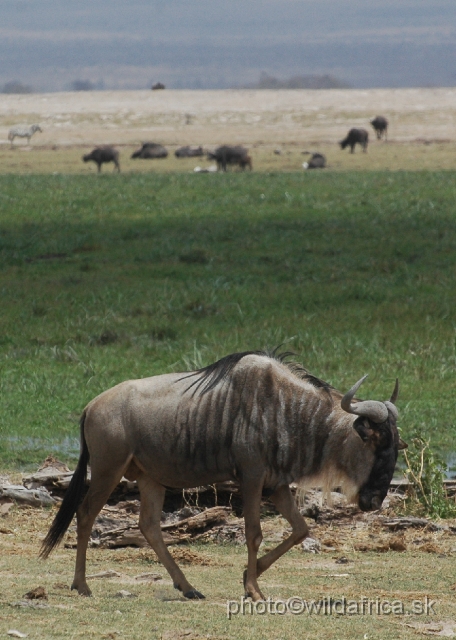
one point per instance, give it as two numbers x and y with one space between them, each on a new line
22 131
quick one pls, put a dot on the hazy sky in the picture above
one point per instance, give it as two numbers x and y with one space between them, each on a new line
215 41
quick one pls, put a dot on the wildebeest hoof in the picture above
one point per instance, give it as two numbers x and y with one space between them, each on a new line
194 595
82 591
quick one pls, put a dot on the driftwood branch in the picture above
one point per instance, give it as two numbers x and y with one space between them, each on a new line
209 517
173 532
407 522
33 497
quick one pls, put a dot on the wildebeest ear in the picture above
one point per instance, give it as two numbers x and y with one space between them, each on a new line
363 428
402 445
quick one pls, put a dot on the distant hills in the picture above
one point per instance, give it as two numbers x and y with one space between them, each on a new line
298 82
213 44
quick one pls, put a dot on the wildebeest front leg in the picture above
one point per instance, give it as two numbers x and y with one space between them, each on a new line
251 493
284 501
152 498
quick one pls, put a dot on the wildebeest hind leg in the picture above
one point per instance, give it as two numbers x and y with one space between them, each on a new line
286 504
251 495
102 484
152 497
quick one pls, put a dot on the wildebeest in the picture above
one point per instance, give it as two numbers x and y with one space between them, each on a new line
157 86
150 150
23 131
249 417
235 155
355 136
103 154
317 161
189 152
380 124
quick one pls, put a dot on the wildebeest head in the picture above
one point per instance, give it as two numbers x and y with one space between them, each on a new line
376 426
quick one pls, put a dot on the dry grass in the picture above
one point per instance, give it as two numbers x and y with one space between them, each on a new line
422 127
426 568
393 156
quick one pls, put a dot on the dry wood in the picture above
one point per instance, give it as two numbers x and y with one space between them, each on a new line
131 535
34 497
396 524
214 515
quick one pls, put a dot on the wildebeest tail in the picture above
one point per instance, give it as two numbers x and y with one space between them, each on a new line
73 498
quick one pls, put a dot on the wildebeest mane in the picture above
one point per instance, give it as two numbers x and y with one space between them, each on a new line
209 377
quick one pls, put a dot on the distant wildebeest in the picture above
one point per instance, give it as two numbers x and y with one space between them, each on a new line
317 161
235 155
250 417
380 124
355 136
103 154
23 131
189 152
157 86
150 150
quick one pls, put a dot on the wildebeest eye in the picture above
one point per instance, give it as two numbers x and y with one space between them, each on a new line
363 429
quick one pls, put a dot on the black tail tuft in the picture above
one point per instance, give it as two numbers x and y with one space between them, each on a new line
73 498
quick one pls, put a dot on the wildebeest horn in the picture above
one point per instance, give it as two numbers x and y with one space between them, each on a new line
375 411
395 392
390 404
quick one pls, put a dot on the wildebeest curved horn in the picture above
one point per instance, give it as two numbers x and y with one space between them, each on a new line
390 404
345 403
395 392
375 411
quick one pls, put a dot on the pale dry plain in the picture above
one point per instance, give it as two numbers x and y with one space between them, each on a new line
422 131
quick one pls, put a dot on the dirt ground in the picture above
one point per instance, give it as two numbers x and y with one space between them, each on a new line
358 556
422 131
349 556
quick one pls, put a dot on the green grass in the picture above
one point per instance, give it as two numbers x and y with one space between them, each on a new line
104 278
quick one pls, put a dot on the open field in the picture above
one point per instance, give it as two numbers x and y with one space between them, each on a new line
422 127
104 279
425 570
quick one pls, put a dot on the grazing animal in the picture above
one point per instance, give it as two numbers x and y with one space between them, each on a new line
23 131
101 155
157 86
249 417
317 161
226 155
355 136
150 150
380 124
189 152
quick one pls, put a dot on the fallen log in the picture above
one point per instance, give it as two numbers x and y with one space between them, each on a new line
132 537
33 497
182 530
209 517
407 522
